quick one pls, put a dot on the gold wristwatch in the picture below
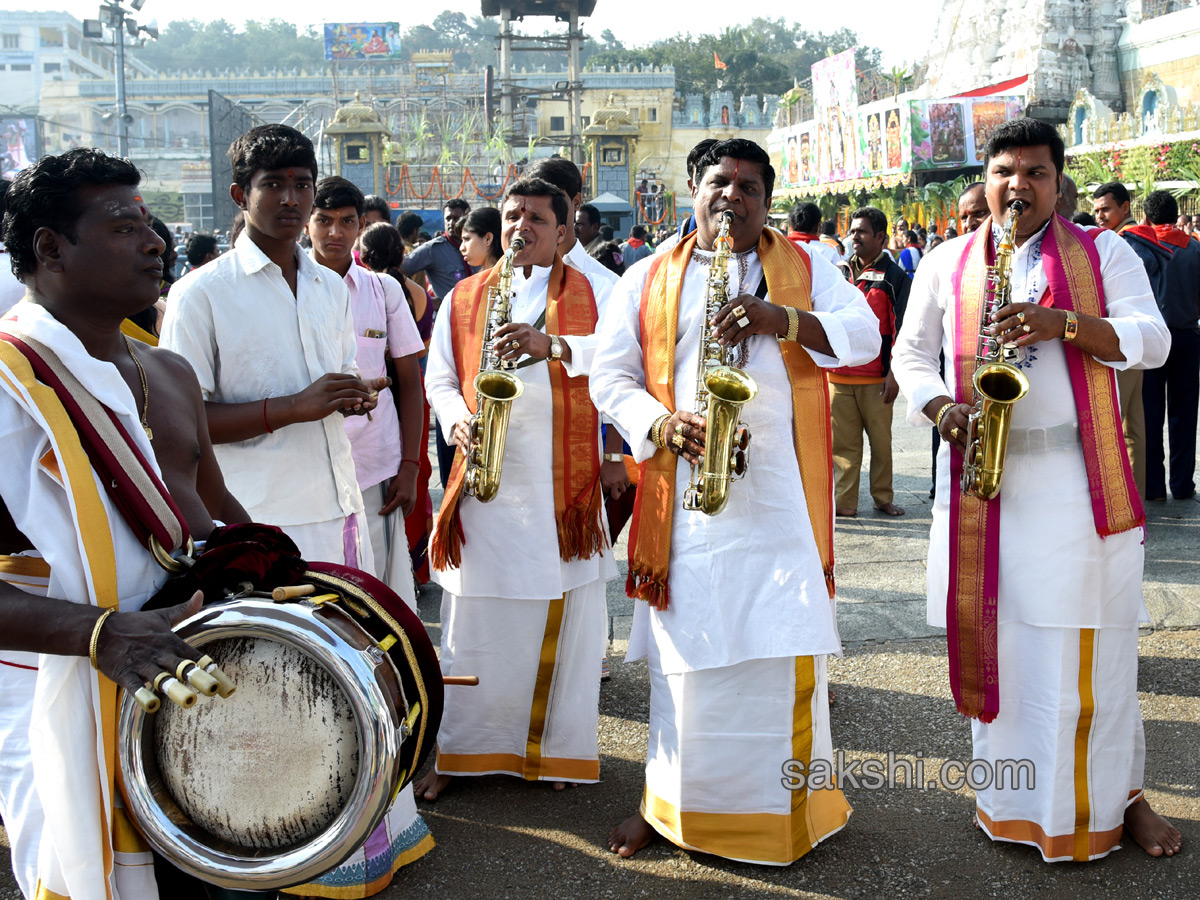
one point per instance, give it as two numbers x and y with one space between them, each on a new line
555 347
1071 328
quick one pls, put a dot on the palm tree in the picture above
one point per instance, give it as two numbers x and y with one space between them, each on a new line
899 77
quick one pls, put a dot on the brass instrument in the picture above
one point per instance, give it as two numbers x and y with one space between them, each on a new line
495 389
998 383
721 392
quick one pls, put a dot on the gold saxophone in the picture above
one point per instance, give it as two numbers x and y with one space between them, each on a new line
721 392
495 390
998 383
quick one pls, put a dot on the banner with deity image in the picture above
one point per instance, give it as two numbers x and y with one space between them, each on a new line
951 133
798 156
883 129
20 144
362 40
835 104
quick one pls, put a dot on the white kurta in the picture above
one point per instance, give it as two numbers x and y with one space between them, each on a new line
745 584
65 745
1094 582
518 524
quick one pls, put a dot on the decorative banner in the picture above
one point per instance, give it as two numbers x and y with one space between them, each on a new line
951 133
883 127
835 105
987 114
362 40
798 169
20 144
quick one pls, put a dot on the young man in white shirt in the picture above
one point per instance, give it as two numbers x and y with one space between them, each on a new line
271 337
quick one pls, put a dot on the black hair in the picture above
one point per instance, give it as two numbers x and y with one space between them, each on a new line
485 220
46 195
875 217
829 227
560 172
536 187
373 203
1160 208
606 232
593 214
970 187
804 217
457 203
1120 193
4 185
381 248
1026 132
408 223
199 247
912 237
638 231
168 239
696 154
270 147
1084 219
737 148
608 255
335 192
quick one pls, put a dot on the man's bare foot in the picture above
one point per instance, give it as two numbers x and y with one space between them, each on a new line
432 785
630 836
846 512
1153 833
890 509
563 785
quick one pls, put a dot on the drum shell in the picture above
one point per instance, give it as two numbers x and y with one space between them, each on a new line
370 682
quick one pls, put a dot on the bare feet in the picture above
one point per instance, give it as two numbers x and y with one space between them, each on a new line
563 785
845 512
890 509
1154 834
429 787
630 836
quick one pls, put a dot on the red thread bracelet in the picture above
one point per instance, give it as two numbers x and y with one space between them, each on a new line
267 427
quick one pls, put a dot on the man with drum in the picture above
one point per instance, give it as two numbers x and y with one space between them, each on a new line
523 574
739 615
73 575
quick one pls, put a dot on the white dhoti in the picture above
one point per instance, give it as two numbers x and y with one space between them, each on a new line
719 739
389 544
536 710
19 806
1068 705
344 540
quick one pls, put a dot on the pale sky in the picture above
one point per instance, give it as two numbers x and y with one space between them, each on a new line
902 31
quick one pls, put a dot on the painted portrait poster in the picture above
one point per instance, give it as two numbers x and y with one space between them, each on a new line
891 127
987 115
835 104
362 40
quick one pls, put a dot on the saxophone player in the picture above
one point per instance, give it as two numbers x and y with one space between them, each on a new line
526 570
737 617
1040 587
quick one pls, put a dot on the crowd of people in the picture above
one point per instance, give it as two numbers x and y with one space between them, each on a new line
293 379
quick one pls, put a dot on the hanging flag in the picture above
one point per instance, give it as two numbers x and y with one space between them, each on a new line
717 64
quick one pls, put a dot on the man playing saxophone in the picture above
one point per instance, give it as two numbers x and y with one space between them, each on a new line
739 615
1042 603
523 574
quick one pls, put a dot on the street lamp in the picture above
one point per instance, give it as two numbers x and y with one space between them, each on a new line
120 20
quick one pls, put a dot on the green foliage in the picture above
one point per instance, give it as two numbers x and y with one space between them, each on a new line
1142 166
217 45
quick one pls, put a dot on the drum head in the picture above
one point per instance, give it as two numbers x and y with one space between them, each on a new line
274 764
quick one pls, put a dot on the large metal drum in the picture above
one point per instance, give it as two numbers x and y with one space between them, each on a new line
278 783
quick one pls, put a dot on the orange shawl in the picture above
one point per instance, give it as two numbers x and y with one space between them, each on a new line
788 271
570 309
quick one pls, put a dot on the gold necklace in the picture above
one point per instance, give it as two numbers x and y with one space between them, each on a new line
145 388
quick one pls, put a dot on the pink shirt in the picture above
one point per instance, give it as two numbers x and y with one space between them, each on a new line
383 325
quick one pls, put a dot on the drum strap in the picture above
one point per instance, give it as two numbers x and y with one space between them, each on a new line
128 477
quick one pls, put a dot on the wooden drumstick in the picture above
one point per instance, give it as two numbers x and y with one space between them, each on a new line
292 591
468 680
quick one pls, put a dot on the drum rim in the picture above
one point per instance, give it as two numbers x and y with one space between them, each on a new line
303 626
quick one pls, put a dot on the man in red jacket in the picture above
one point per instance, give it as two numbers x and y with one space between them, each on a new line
861 396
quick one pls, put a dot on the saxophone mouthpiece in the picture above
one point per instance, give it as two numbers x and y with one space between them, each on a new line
517 244
1018 206
727 215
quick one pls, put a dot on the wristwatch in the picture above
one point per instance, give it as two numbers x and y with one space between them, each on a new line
555 347
614 457
1071 328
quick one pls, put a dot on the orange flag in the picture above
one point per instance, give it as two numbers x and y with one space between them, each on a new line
717 64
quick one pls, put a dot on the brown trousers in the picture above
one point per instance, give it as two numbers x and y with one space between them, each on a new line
1133 420
856 408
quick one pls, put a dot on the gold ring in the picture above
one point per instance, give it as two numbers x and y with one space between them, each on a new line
677 440
743 322
739 310
954 432
516 345
1026 329
1020 317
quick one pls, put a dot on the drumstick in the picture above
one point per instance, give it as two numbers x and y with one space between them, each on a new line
292 592
469 680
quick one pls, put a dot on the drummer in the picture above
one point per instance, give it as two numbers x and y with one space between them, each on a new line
79 237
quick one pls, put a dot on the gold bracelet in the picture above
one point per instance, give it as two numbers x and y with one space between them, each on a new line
656 431
937 419
95 641
793 317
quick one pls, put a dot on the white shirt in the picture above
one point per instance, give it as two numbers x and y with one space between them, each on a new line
236 321
747 583
579 259
511 543
383 325
1055 570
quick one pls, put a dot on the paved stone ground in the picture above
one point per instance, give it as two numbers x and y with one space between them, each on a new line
498 838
